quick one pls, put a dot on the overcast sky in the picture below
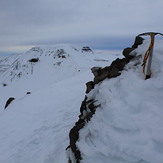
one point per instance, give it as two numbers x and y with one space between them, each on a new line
96 23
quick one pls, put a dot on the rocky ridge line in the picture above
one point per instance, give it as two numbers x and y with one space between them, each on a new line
89 106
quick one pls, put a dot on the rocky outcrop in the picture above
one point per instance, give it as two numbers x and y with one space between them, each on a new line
34 60
89 106
111 71
129 52
138 41
60 53
86 49
9 101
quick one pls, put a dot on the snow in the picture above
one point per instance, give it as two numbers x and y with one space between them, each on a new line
38 124
128 126
35 127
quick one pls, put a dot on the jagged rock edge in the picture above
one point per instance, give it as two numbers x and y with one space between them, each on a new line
88 106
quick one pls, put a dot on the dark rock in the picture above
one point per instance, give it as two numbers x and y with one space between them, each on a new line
89 116
83 106
62 56
92 107
68 147
102 74
60 53
4 84
34 60
69 161
126 52
79 124
147 77
74 136
9 101
86 49
95 70
138 41
119 63
90 86
114 72
28 93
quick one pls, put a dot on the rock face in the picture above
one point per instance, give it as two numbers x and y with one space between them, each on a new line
89 106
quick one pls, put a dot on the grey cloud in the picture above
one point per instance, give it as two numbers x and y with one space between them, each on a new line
34 21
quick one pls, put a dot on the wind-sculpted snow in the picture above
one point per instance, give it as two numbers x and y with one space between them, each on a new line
128 125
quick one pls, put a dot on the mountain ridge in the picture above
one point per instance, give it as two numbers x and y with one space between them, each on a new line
35 126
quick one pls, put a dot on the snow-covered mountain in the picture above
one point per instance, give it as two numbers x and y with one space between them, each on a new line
127 126
65 60
35 126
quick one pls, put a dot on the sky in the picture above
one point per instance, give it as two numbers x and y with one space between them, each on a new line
100 24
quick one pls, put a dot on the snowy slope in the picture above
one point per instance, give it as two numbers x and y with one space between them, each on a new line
128 127
55 64
34 127
5 62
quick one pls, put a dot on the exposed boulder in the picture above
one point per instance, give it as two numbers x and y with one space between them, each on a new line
4 84
138 41
9 101
34 60
128 52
